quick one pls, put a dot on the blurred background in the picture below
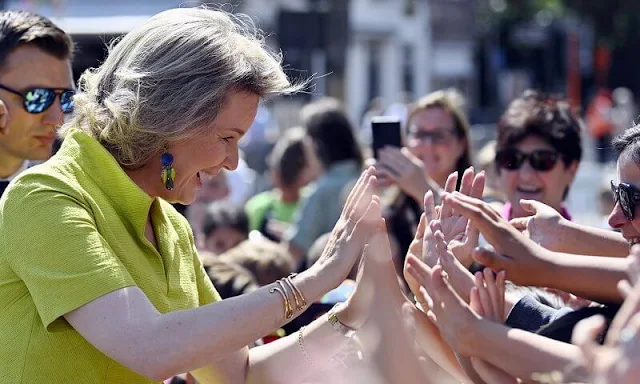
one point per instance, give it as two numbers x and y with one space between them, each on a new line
379 55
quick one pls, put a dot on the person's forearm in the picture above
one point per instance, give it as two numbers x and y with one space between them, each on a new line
490 373
522 354
196 337
593 278
292 359
429 339
584 240
391 347
469 370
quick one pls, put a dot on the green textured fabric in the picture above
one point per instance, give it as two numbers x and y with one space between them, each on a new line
72 230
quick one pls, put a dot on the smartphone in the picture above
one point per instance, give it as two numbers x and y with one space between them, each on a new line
386 132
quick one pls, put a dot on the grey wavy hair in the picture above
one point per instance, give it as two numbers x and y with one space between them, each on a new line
167 80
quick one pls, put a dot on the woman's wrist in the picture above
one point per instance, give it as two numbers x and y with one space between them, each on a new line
349 317
310 284
420 187
547 269
565 231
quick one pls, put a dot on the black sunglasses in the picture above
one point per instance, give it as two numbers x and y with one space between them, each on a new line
38 100
542 160
627 195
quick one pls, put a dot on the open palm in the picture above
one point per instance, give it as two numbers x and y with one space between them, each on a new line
460 236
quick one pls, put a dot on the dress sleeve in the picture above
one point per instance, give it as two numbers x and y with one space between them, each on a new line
50 240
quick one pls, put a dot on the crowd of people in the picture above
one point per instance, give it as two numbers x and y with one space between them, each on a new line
137 246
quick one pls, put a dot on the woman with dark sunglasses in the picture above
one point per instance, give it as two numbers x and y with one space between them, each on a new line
538 152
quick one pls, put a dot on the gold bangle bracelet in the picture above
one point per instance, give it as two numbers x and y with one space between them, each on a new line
286 292
288 312
283 286
299 299
296 290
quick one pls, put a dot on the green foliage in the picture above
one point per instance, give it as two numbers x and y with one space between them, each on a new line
615 21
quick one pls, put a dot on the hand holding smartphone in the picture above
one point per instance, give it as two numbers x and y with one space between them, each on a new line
386 131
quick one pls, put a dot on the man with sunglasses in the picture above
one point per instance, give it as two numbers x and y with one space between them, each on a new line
36 89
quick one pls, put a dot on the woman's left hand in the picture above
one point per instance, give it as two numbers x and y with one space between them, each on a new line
353 229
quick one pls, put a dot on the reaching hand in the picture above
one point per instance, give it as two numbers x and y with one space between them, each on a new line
523 260
458 276
461 236
376 279
453 317
543 226
433 212
487 297
415 250
353 229
618 360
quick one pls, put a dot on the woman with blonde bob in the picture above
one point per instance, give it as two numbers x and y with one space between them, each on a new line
99 278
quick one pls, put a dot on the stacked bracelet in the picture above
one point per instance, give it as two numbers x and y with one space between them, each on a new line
301 302
298 297
288 311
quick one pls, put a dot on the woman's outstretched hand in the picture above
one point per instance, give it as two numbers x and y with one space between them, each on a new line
354 228
461 235
523 260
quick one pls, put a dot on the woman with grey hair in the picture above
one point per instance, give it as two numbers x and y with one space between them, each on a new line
99 278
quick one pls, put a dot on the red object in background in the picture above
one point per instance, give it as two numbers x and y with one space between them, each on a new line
573 70
598 114
602 62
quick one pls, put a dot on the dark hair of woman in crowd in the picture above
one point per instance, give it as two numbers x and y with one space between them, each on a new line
538 151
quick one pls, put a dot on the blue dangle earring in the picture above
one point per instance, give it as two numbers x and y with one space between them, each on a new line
168 175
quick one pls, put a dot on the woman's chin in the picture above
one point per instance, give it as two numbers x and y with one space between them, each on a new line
186 200
180 197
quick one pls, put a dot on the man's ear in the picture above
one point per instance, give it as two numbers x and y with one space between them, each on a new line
4 119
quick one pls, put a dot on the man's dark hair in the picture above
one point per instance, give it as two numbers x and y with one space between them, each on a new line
18 28
221 215
288 157
331 131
